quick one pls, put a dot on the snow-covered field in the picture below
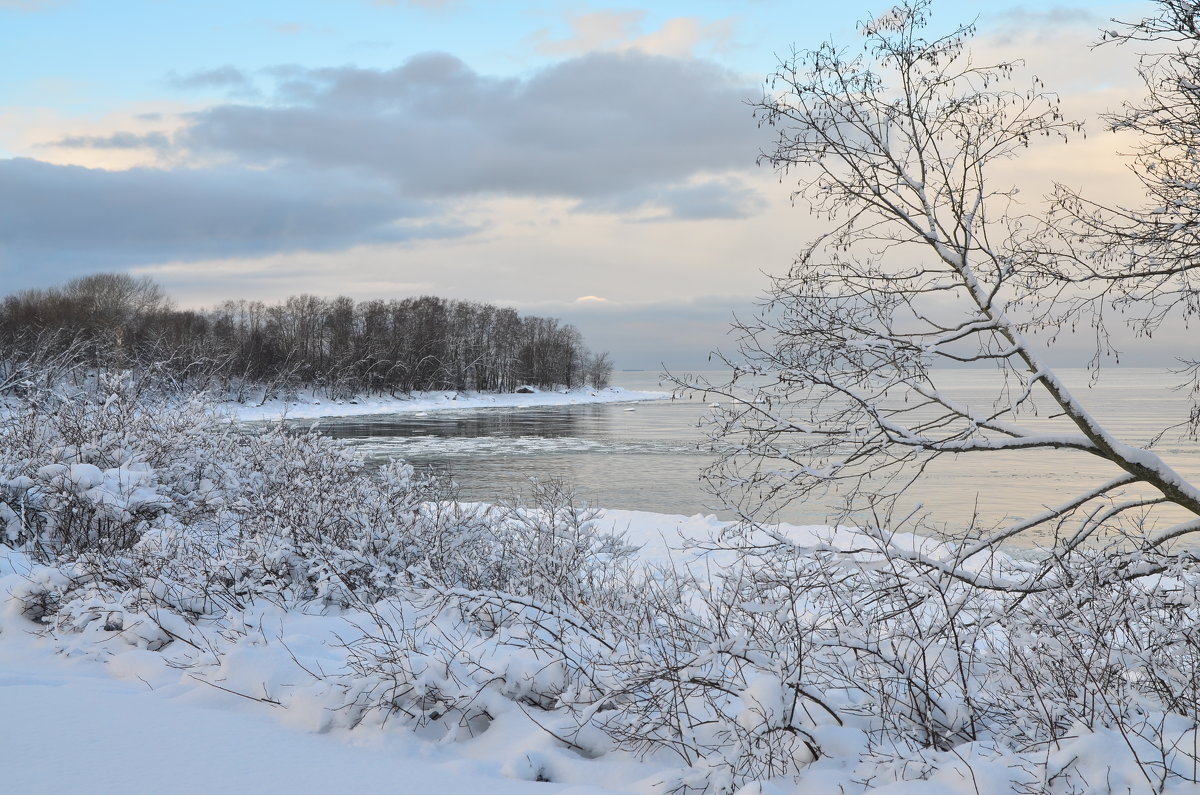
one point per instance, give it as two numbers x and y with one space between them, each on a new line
134 726
308 406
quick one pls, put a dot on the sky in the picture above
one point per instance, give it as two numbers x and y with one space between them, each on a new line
592 161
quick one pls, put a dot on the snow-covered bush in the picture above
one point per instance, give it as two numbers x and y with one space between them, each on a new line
160 489
91 470
514 614
799 655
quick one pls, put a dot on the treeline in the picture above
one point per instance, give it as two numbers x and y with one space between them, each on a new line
338 346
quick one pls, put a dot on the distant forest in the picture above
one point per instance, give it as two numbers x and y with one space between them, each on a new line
336 346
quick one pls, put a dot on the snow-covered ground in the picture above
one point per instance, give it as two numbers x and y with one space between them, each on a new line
93 712
82 716
306 406
134 726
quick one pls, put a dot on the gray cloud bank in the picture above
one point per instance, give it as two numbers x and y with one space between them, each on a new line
76 220
598 125
679 335
331 158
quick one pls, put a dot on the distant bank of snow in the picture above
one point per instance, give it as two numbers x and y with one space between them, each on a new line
306 406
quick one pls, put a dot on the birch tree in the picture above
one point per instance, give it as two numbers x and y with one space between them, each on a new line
840 384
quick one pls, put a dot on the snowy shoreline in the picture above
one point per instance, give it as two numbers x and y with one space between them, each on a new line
306 406
231 596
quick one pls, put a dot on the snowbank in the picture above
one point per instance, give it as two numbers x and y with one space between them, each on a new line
127 719
307 406
116 717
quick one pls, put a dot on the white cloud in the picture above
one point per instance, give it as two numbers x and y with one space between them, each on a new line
595 31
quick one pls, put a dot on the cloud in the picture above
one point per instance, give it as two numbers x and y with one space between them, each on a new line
340 158
119 140
681 36
598 125
224 78
621 30
713 200
70 219
680 333
707 200
683 332
592 31
1020 19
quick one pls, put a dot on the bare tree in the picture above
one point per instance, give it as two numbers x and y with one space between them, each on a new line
599 369
1142 257
338 346
840 385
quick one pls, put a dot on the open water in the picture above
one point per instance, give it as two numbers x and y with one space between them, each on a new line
650 456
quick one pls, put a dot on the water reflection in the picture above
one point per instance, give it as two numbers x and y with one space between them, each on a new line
640 456
548 423
651 457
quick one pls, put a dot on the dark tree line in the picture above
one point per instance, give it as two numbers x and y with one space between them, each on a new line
338 346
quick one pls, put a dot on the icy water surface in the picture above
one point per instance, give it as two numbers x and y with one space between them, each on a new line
641 456
648 456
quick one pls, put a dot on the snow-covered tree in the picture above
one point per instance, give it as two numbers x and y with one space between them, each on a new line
842 383
1142 256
